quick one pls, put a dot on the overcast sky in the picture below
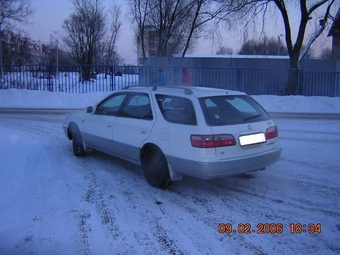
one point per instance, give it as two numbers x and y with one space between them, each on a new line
50 14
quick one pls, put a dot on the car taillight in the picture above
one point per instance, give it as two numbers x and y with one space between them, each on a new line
211 141
271 132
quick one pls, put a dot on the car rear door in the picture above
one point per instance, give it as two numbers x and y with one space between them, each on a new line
133 126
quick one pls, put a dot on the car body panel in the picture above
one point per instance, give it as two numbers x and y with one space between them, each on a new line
210 168
129 135
97 132
243 130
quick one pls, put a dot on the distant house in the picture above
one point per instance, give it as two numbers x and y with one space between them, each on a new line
151 45
18 49
335 33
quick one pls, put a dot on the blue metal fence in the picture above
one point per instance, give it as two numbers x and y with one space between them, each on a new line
253 81
68 79
319 84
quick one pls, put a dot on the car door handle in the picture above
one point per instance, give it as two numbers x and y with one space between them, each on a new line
143 131
109 125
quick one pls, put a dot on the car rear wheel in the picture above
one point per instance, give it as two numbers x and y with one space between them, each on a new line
155 168
77 144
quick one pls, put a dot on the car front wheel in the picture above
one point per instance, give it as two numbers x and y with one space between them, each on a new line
155 168
77 144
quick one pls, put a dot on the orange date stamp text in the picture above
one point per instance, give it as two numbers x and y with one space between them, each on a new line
269 228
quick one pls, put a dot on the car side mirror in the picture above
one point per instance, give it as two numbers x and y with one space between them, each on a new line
89 109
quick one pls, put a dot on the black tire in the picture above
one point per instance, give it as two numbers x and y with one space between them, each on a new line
155 168
77 144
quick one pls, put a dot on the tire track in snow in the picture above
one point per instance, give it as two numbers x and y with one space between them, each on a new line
85 229
134 198
127 183
166 242
99 201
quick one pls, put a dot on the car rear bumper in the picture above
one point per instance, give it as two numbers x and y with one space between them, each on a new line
225 168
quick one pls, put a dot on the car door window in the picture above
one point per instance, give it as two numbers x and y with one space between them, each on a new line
111 105
177 109
138 106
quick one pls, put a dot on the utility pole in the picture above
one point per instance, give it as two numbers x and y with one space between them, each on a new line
1 67
54 42
279 44
57 58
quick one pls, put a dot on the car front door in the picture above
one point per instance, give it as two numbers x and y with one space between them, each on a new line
133 126
99 125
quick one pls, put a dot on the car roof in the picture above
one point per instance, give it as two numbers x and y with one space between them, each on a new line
185 90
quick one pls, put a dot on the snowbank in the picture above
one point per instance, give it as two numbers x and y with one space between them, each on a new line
13 98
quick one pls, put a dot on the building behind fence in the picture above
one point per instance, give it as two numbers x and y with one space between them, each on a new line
253 77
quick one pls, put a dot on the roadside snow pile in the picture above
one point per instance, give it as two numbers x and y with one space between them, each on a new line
20 98
15 98
300 104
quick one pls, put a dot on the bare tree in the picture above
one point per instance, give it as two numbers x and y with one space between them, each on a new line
85 30
294 50
204 11
161 24
306 9
139 12
326 54
265 46
11 12
109 53
224 51
170 26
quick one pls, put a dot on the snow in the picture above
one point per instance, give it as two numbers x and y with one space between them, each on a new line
54 203
299 104
13 98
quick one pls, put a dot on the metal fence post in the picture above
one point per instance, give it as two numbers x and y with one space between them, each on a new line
112 84
337 84
238 79
49 80
300 82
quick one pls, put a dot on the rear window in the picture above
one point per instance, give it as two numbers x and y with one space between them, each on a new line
230 110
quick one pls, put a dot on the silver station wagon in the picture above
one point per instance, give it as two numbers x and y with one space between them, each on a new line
173 131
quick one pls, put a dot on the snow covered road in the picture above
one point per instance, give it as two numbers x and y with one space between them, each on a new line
54 203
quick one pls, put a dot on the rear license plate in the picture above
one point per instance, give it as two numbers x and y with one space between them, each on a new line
252 139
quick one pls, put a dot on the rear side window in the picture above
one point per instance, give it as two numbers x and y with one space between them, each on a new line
137 106
229 110
178 110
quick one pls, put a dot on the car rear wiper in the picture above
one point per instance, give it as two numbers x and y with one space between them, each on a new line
252 117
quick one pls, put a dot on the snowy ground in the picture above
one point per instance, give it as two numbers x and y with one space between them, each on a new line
54 203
